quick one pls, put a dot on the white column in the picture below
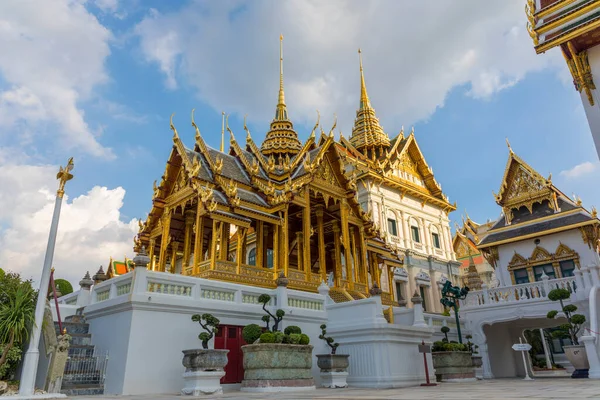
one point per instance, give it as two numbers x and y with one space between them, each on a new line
30 363
449 237
428 245
546 352
406 236
592 355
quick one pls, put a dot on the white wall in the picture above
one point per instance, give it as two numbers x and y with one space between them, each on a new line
571 238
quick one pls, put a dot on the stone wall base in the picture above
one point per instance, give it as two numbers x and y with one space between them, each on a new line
277 385
334 380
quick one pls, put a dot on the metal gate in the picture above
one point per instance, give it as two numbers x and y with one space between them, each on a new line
85 370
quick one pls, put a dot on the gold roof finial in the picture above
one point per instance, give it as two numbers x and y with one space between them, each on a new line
281 100
195 126
222 131
508 144
364 97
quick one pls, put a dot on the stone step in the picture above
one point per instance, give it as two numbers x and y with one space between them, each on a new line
88 390
82 339
73 327
78 318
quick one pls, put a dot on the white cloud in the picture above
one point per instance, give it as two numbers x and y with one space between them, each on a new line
580 170
107 5
53 55
90 228
414 54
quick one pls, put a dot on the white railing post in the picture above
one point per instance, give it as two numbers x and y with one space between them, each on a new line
486 293
578 283
139 283
84 297
324 291
546 284
418 319
587 279
594 272
281 291
592 354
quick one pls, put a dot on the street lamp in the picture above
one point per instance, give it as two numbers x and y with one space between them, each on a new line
30 362
450 296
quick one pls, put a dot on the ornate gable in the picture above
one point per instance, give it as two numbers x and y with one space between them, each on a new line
522 186
517 260
539 254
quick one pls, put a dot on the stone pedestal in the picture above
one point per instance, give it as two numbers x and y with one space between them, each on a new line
453 366
198 383
204 369
592 355
277 368
334 370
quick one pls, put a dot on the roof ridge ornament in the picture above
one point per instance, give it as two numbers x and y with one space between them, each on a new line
223 132
197 137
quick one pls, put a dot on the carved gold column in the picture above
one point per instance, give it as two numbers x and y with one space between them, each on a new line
198 242
216 229
376 273
174 248
151 243
363 255
259 244
276 250
346 239
556 266
224 244
265 245
391 282
166 229
187 240
306 236
355 277
321 233
241 238
338 252
299 249
284 242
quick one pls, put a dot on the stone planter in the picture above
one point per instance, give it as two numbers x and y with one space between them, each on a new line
453 366
203 371
477 361
577 356
277 367
334 370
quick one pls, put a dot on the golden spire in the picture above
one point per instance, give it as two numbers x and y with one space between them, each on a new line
364 97
281 139
367 135
223 131
281 101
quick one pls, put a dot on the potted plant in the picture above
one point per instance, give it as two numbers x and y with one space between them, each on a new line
334 367
274 360
452 361
477 360
576 352
204 367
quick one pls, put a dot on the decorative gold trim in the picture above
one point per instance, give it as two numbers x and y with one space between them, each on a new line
581 71
560 39
568 17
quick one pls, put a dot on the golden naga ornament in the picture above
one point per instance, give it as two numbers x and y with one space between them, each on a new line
64 175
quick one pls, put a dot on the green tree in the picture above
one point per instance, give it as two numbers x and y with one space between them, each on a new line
16 317
574 321
9 283
63 286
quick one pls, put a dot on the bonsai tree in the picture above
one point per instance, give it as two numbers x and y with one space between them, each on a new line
210 325
574 321
63 286
251 333
265 299
469 343
445 331
328 339
16 317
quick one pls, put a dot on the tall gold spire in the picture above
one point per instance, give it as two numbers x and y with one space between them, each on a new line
364 97
223 131
281 139
367 135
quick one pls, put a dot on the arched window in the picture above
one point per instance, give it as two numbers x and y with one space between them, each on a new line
252 257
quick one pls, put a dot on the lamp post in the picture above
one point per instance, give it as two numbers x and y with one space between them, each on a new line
30 362
450 296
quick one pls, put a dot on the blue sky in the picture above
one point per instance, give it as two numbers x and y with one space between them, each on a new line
101 88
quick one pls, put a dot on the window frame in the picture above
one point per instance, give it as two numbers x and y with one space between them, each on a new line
414 231
392 224
435 238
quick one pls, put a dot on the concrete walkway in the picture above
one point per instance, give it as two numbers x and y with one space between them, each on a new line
504 389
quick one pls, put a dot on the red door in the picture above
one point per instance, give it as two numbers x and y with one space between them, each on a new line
230 337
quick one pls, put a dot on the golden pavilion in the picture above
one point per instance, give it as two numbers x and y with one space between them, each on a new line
295 203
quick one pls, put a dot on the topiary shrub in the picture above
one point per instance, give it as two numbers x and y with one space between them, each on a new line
210 325
63 286
279 336
264 299
445 331
267 337
328 340
304 339
251 333
445 346
292 329
574 321
295 338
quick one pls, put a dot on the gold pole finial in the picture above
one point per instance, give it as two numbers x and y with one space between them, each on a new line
222 131
281 100
364 97
508 144
64 175
195 126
